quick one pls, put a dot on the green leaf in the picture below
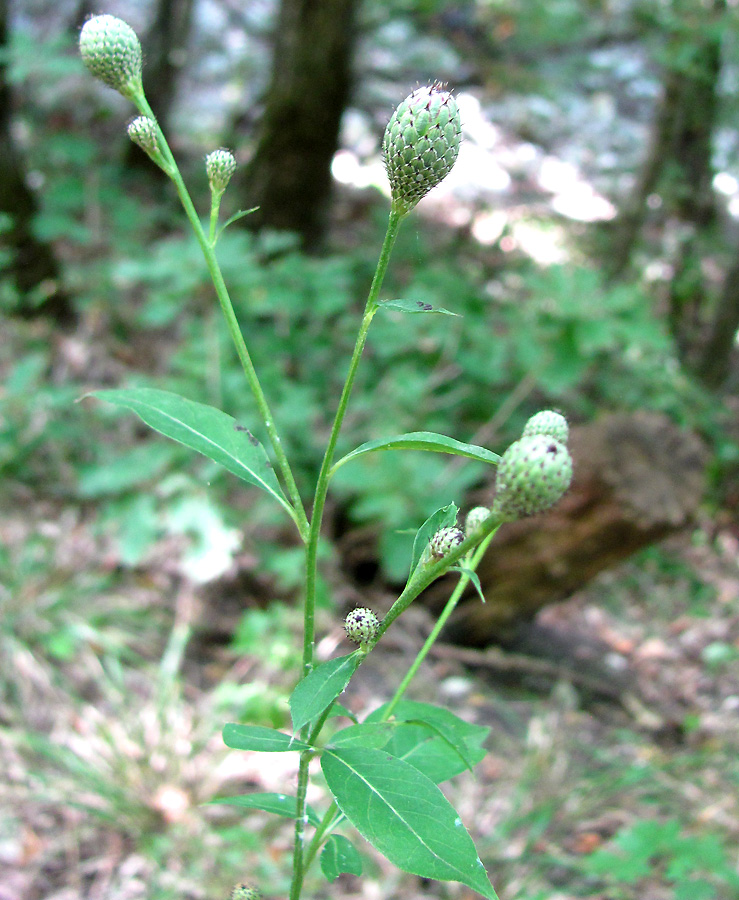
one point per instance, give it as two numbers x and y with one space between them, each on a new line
365 735
442 518
205 429
415 306
473 577
404 815
261 739
320 688
422 440
235 218
338 709
340 855
280 804
433 739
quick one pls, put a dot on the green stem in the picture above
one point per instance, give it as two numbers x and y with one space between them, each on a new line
237 337
472 565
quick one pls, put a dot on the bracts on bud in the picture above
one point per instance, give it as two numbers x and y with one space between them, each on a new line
361 625
421 144
245 892
144 133
550 424
219 167
111 51
444 541
532 475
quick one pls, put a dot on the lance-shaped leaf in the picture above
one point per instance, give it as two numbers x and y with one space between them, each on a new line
404 815
206 429
321 687
415 306
422 440
340 855
280 804
261 739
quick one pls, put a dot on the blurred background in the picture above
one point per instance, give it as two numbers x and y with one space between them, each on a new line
588 239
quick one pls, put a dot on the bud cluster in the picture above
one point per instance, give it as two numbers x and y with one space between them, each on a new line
111 51
219 167
421 144
536 470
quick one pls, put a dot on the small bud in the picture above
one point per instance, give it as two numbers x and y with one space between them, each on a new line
550 424
245 892
474 519
219 166
143 132
111 51
421 144
361 625
533 474
444 541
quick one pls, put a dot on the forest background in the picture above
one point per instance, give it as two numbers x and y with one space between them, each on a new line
588 240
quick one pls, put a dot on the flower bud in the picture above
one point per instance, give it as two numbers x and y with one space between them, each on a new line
474 519
361 625
143 131
444 541
219 166
111 51
550 424
421 144
245 892
533 474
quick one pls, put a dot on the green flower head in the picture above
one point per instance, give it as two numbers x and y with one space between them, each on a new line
111 51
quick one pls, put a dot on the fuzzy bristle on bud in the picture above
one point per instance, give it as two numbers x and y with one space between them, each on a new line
143 131
245 892
474 519
421 144
219 166
361 625
444 541
533 474
111 51
550 424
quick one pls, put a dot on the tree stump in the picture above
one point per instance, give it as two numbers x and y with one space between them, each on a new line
638 477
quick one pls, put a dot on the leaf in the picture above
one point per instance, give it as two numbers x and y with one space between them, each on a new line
280 804
433 739
235 218
364 735
415 306
261 739
320 688
206 429
473 577
443 517
422 440
404 815
338 709
340 855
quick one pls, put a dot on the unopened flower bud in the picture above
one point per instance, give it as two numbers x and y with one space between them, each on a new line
361 625
143 132
533 474
219 166
421 144
550 424
474 519
111 51
444 541
245 892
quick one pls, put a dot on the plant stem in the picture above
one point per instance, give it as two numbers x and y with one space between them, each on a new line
311 550
451 603
237 337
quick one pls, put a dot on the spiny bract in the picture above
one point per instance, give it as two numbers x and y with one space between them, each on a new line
532 475
421 144
111 51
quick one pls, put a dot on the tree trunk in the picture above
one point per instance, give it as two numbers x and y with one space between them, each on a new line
165 53
678 161
32 265
715 361
289 177
638 478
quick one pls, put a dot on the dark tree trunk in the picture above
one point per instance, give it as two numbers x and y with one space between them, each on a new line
678 161
714 364
32 265
289 177
637 479
165 52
